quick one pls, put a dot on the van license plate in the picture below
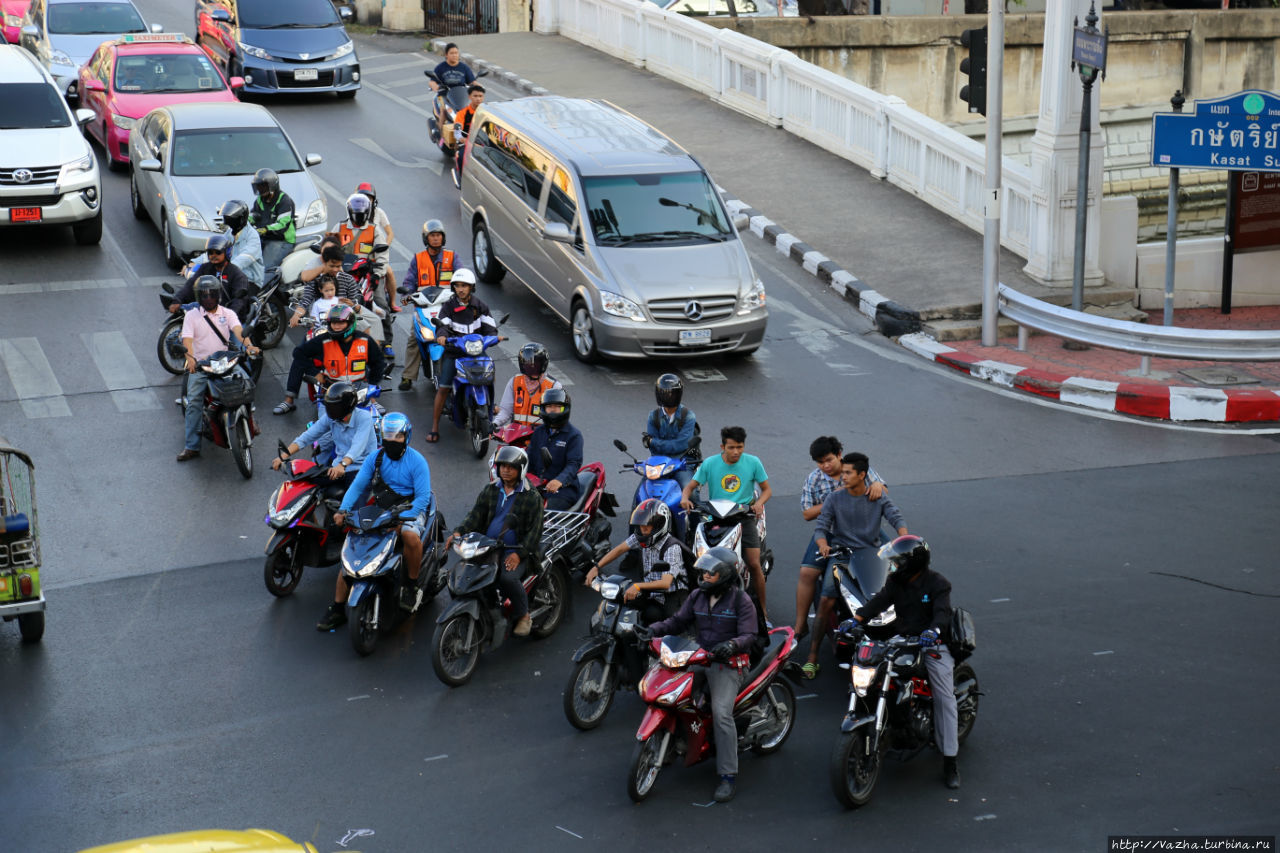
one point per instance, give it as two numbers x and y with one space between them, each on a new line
695 337
306 74
25 214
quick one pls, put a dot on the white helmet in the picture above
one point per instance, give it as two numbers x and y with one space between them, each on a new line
463 276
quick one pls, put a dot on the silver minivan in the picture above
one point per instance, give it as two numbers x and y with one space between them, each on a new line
615 227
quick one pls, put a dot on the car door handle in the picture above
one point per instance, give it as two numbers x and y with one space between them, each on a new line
533 226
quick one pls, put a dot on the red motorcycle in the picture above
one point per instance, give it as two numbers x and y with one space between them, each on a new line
595 502
302 520
678 723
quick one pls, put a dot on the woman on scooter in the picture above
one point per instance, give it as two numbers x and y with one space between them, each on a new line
662 556
453 71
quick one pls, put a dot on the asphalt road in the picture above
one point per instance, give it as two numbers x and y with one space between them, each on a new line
1121 575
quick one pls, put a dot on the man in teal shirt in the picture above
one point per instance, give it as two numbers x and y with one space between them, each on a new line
733 475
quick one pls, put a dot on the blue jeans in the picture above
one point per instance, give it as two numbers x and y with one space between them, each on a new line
196 384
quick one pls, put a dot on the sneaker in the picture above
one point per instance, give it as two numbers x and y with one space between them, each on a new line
405 384
410 596
334 617
726 789
524 626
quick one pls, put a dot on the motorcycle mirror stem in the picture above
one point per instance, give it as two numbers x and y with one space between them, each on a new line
546 457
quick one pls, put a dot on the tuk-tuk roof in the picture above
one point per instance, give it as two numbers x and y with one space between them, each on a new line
6 447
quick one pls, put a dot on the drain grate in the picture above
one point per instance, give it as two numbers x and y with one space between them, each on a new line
1219 376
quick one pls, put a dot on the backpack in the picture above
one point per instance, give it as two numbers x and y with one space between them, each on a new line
682 417
963 634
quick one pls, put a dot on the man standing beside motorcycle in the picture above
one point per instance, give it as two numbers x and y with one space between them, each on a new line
523 394
343 430
273 216
345 355
432 267
396 474
661 559
850 518
921 602
734 475
206 330
724 621
564 442
510 511
672 426
463 313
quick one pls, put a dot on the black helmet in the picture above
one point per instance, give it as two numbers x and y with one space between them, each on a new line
510 455
654 514
265 181
208 289
668 390
533 359
906 555
721 561
555 407
432 226
359 209
235 215
366 188
339 400
220 242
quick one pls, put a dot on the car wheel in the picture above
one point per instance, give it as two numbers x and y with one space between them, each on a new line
171 257
488 268
584 337
135 198
89 231
112 164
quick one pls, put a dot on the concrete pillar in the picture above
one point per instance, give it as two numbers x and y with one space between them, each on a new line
513 16
369 11
546 16
1054 156
403 15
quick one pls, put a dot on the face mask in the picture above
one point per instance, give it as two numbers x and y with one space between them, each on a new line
394 449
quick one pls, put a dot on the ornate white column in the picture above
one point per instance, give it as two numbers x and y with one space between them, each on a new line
403 15
1055 156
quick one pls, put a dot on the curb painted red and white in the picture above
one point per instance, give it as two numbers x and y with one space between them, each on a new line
1166 402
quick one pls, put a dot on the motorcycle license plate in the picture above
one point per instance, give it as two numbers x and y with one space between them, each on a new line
25 214
694 337
306 74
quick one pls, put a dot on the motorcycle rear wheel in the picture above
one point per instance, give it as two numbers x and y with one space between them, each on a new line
364 635
589 693
554 592
452 659
281 571
854 769
645 767
273 324
966 709
781 701
169 360
240 447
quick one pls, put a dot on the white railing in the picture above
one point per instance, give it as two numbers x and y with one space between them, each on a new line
941 166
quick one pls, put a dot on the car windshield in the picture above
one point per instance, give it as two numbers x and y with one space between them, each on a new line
166 72
243 151
24 106
663 208
287 14
82 19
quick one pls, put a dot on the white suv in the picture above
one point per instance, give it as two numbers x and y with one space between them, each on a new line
48 172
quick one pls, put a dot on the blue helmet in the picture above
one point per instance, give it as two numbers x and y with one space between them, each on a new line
395 424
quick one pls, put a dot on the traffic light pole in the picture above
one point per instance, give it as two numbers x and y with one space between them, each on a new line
991 199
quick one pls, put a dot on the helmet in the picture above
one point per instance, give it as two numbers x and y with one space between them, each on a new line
724 563
220 242
366 188
344 314
264 181
463 276
555 407
235 215
208 287
396 433
906 555
533 359
339 400
431 226
654 514
668 390
359 209
510 455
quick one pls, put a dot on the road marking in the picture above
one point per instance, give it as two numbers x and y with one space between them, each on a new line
361 696
39 393
998 600
985 817
374 148
436 757
120 371
409 81
1107 652
807 696
404 102
848 369
619 379
704 805
703 374
574 834
422 99
397 66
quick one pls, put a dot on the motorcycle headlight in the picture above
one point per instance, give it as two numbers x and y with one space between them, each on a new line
59 57
675 660
188 217
753 299
474 347
286 516
609 591
884 618
654 472
862 678
467 550
620 306
317 213
256 52
70 170
123 122
343 50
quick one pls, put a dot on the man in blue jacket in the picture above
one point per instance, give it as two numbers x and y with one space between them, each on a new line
395 474
343 431
671 427
556 434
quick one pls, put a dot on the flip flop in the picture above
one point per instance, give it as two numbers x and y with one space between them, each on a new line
432 437
810 670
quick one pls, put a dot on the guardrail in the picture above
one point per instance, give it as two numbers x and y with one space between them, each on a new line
941 166
1140 338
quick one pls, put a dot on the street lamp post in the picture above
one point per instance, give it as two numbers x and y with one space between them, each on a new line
1089 47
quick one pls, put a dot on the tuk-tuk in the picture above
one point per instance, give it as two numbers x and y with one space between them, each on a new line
20 595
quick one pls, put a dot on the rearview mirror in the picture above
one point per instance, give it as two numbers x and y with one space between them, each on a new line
557 231
157 28
150 165
83 117
313 159
345 13
93 84
617 442
237 83
222 16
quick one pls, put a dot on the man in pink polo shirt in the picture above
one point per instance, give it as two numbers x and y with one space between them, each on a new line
205 330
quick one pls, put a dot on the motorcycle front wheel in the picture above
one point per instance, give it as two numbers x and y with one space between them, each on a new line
589 692
240 447
169 348
779 704
364 634
554 593
455 650
855 767
480 430
645 766
282 571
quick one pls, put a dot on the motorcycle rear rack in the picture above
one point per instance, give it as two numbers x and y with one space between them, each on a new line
561 528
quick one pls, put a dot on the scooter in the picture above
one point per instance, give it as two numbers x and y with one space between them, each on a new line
471 399
658 480
373 563
300 514
228 414
449 101
676 724
612 658
426 308
721 527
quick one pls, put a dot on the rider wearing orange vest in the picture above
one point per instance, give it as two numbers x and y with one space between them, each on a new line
342 354
524 392
432 267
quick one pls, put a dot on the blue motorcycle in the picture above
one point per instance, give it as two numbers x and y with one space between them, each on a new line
658 480
426 308
470 405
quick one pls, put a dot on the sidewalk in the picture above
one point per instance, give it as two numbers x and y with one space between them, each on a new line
894 256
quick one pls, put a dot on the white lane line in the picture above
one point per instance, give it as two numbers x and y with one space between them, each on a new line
86 284
120 371
619 379
408 81
574 834
38 390
998 600
807 696
421 99
435 165
341 199
1107 652
436 757
404 102
703 374
355 698
398 66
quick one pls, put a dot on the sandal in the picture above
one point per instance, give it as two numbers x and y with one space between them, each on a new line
433 437
810 670
284 408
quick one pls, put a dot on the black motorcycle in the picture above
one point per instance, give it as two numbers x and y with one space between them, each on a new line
449 101
890 709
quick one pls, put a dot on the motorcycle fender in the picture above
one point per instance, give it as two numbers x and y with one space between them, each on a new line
849 724
479 396
792 670
469 606
597 646
654 719
359 589
277 540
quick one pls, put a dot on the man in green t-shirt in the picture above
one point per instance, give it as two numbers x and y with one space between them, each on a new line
733 475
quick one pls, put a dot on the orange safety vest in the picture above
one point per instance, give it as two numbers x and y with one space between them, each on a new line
349 366
427 268
356 242
522 408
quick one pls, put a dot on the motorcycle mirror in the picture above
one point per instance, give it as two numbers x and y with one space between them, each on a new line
167 287
617 442
381 247
505 318
484 73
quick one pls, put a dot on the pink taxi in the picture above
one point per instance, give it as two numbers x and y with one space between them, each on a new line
11 14
129 77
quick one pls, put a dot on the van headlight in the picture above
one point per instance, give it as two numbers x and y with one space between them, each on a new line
753 299
256 52
59 57
188 217
70 170
343 50
317 213
620 306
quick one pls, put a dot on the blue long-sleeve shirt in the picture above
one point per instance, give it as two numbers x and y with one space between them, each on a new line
668 436
409 474
566 455
354 440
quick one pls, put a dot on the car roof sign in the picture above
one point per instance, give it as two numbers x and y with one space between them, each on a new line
154 38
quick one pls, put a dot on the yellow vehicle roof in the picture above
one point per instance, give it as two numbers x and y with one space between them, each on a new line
209 841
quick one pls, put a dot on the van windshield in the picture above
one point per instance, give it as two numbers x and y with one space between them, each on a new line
631 210
31 105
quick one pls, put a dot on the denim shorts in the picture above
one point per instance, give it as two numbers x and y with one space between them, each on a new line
448 370
417 525
814 560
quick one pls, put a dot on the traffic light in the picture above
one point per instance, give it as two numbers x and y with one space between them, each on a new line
975 66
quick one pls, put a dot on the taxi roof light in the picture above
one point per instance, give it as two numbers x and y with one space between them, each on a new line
154 38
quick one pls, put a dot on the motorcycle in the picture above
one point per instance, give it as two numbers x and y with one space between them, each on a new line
856 583
228 415
721 527
426 308
613 658
449 101
373 563
676 723
264 326
300 514
471 399
890 711
592 500
658 480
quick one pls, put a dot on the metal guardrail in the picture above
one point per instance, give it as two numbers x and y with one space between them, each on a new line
1140 338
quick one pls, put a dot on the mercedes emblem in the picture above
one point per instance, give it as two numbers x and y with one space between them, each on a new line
693 309
22 176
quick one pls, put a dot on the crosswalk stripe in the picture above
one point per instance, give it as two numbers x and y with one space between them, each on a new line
408 81
39 393
397 66
82 284
86 284
120 371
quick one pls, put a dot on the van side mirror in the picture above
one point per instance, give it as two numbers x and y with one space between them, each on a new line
559 232
150 165
84 116
222 16
313 159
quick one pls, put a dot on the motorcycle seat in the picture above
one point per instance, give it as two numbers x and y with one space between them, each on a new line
586 482
776 639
